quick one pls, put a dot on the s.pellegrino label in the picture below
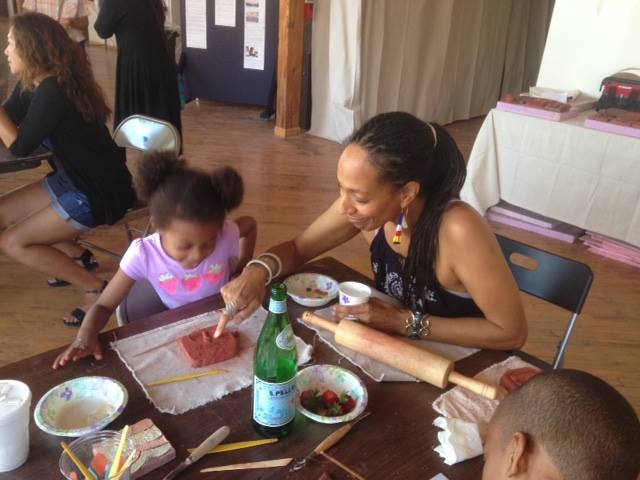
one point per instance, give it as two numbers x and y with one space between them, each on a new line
278 306
273 403
275 367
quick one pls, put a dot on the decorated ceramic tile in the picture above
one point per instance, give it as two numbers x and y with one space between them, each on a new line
80 406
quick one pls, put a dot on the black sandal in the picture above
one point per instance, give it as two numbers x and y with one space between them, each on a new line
78 314
89 263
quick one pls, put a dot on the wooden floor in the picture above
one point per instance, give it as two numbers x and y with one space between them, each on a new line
288 183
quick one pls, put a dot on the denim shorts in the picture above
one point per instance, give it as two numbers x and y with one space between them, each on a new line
70 203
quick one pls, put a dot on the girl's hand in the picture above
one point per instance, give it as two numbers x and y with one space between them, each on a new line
242 296
80 348
380 315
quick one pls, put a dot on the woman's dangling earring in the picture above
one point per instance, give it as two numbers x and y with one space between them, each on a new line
400 226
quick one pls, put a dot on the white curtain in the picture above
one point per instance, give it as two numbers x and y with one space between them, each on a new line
335 61
441 60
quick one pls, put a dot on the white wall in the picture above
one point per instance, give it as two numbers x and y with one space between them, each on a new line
589 40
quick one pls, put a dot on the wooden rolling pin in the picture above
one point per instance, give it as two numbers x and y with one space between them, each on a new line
408 358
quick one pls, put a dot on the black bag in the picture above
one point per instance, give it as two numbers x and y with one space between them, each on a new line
621 90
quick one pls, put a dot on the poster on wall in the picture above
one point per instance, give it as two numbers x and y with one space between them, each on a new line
195 21
225 13
254 32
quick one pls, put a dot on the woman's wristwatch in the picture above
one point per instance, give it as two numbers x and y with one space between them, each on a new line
418 325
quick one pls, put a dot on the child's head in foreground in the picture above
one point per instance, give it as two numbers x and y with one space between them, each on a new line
187 206
563 425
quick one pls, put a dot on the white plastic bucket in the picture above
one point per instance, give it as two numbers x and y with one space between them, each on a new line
14 424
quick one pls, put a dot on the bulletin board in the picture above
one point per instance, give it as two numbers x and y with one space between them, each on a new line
218 71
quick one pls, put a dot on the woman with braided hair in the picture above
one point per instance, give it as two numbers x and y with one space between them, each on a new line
399 180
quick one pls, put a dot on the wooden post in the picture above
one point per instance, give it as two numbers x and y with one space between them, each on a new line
290 39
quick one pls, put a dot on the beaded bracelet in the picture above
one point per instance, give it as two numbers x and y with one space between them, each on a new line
277 260
256 261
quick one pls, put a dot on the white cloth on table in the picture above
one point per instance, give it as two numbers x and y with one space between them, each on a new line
439 476
169 361
464 415
376 370
562 170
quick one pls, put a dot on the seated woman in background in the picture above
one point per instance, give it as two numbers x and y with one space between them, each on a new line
399 180
57 103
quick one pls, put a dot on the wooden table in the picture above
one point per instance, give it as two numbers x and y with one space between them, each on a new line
395 442
10 163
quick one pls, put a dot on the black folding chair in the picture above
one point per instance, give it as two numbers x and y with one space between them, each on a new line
555 279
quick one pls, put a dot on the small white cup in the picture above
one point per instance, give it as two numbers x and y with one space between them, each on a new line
353 293
15 402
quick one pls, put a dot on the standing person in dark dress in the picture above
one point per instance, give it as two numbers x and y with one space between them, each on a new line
58 103
147 81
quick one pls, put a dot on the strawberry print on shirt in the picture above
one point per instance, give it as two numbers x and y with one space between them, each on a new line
168 282
191 282
214 274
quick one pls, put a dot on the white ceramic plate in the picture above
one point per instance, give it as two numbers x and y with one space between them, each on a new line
311 289
80 406
331 377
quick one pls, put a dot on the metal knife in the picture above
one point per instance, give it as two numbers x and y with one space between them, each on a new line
211 442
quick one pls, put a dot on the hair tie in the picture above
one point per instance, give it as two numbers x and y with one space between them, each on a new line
435 135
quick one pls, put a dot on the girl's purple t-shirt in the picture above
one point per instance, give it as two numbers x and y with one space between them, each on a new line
145 259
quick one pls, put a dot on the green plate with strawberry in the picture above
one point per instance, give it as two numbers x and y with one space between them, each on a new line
330 394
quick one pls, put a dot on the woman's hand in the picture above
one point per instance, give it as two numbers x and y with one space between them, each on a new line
80 348
242 296
380 315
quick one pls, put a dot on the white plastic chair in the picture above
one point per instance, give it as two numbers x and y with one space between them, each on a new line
143 133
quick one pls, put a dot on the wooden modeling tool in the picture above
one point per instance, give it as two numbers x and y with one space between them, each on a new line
407 358
281 462
342 466
169 342
228 447
212 441
329 442
183 378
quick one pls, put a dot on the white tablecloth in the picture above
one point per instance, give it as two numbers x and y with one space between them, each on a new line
583 177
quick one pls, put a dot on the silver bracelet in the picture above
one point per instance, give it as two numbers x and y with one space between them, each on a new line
418 325
256 261
276 258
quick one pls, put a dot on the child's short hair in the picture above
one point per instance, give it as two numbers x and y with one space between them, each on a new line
588 429
174 191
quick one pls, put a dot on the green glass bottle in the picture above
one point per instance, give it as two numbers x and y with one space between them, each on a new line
275 366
